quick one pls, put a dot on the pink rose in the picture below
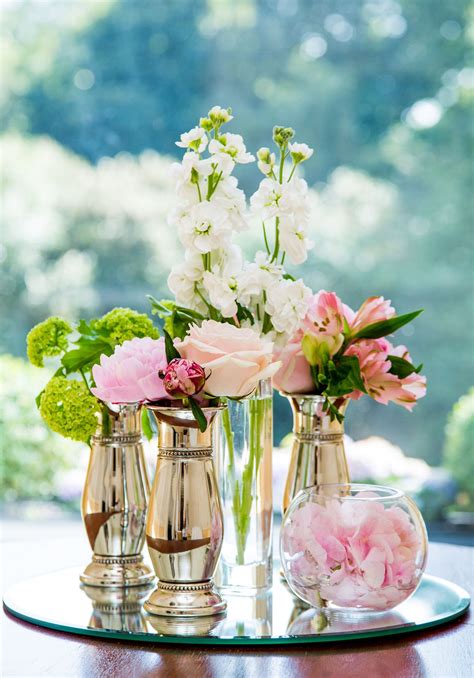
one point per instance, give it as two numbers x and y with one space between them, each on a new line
130 374
373 310
381 385
183 378
234 358
294 375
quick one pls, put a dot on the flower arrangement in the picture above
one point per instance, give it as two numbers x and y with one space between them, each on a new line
357 550
67 403
339 353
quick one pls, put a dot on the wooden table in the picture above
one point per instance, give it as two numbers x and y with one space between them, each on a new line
30 651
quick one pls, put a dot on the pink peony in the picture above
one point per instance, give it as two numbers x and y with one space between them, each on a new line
130 374
373 310
234 358
183 378
294 375
381 385
353 553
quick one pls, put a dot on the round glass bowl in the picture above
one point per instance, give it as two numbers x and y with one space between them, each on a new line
353 548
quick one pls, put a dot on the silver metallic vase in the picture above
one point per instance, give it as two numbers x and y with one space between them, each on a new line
185 526
318 454
114 501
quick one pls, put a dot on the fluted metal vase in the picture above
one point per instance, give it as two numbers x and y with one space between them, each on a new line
114 501
185 525
318 454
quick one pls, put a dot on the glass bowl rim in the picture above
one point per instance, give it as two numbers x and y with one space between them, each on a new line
387 493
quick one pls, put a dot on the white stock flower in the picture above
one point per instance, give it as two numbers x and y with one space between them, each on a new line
183 279
300 152
231 198
189 174
205 227
220 115
222 292
273 199
266 160
287 304
231 145
196 139
293 240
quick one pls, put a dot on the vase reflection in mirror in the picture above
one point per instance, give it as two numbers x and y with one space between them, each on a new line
317 456
114 501
185 526
118 609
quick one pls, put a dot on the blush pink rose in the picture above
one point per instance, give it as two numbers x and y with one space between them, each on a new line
235 359
130 374
294 375
353 553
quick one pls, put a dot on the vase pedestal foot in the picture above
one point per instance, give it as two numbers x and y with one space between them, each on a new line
117 571
185 600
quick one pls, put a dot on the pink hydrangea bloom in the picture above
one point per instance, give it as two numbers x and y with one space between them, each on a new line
130 374
381 385
353 553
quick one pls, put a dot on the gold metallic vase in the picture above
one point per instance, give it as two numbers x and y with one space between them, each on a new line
318 454
114 501
185 526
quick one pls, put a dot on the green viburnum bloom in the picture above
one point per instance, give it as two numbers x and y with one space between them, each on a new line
122 324
68 407
47 339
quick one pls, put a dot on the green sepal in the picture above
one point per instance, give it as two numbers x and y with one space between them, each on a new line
385 327
171 351
198 415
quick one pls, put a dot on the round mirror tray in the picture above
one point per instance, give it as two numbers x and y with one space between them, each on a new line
58 601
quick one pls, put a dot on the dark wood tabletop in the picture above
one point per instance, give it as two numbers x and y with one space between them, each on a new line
30 651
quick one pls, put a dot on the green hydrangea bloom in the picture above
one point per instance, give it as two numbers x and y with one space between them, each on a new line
123 323
48 338
68 407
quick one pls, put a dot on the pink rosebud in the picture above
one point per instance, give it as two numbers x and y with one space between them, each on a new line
183 378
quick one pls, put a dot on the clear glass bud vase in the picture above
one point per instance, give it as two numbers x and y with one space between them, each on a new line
244 471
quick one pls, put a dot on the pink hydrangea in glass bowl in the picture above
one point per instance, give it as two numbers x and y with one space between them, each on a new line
353 548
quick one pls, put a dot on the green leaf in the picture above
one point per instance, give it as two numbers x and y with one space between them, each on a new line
87 354
171 351
345 377
146 426
288 276
38 399
385 327
198 415
401 367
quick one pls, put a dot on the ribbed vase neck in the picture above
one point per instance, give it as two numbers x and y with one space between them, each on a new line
309 417
178 429
119 421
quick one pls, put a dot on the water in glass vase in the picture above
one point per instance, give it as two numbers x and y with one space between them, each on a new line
244 468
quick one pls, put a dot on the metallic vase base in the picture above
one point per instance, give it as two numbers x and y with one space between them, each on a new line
117 571
185 600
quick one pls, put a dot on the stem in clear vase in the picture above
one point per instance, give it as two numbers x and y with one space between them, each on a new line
242 497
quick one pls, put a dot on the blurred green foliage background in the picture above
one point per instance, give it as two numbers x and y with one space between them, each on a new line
97 94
